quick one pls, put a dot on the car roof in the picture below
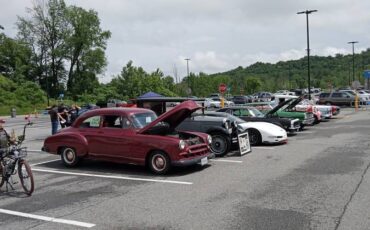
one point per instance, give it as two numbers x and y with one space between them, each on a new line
110 111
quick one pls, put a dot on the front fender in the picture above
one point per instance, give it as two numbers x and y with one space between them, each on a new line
53 143
217 130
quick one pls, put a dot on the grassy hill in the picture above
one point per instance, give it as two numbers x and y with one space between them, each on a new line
25 97
325 72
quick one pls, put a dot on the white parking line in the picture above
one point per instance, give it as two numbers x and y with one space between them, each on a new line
111 177
230 161
36 151
261 147
45 218
45 162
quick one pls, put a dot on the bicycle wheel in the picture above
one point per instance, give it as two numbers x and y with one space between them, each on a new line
2 180
26 177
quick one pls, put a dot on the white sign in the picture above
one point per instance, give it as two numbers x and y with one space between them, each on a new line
244 144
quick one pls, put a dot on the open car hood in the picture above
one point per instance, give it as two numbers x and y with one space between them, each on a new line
276 108
175 116
295 102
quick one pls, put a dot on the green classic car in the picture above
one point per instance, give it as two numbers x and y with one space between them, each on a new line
285 109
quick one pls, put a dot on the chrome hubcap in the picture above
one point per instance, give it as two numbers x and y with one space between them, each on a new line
159 163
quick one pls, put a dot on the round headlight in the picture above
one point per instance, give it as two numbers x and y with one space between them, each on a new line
209 139
182 144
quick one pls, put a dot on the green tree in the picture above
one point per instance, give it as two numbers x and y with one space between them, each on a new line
15 59
86 44
45 32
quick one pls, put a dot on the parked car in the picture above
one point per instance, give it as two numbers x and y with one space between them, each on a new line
336 98
306 106
286 110
225 134
133 136
259 132
210 103
214 95
241 99
251 114
264 96
326 111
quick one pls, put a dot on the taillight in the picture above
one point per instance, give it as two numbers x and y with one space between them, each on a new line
309 109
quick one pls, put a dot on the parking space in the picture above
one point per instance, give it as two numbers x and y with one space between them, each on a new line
306 182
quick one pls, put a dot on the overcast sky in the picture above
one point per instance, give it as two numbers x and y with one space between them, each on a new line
217 35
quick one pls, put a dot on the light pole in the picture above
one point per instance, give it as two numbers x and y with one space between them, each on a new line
353 58
187 68
307 12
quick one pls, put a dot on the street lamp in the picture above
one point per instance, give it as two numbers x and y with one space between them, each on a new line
187 67
353 58
307 12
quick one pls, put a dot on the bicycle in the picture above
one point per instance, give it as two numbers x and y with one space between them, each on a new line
12 161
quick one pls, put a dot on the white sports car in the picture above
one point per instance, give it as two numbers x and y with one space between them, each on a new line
259 132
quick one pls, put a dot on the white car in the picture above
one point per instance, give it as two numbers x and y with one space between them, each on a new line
264 132
325 110
259 132
210 103
365 95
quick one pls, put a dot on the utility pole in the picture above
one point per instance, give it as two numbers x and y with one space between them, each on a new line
307 12
353 58
187 68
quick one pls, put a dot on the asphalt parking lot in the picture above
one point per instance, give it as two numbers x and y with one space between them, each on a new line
318 180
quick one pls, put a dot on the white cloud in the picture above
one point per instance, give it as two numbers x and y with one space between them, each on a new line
217 35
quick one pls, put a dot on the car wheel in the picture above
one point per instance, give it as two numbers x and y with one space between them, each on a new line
220 144
255 137
159 162
69 157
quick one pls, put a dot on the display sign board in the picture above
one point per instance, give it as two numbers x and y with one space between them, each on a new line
244 144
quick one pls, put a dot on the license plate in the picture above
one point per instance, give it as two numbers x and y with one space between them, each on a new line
244 145
204 161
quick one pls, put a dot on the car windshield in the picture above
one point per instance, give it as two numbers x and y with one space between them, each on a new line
256 112
140 120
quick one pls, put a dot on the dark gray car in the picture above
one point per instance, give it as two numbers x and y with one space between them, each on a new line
336 98
224 133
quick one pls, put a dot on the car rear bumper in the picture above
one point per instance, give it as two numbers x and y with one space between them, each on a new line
192 161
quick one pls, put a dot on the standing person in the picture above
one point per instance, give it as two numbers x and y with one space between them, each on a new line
5 139
73 113
63 115
54 118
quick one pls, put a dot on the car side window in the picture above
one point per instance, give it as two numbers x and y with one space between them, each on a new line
337 95
91 122
112 121
126 123
244 112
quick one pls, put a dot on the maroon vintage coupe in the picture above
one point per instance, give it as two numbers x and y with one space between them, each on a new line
134 136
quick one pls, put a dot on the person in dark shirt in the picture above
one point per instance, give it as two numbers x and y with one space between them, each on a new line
54 118
73 113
